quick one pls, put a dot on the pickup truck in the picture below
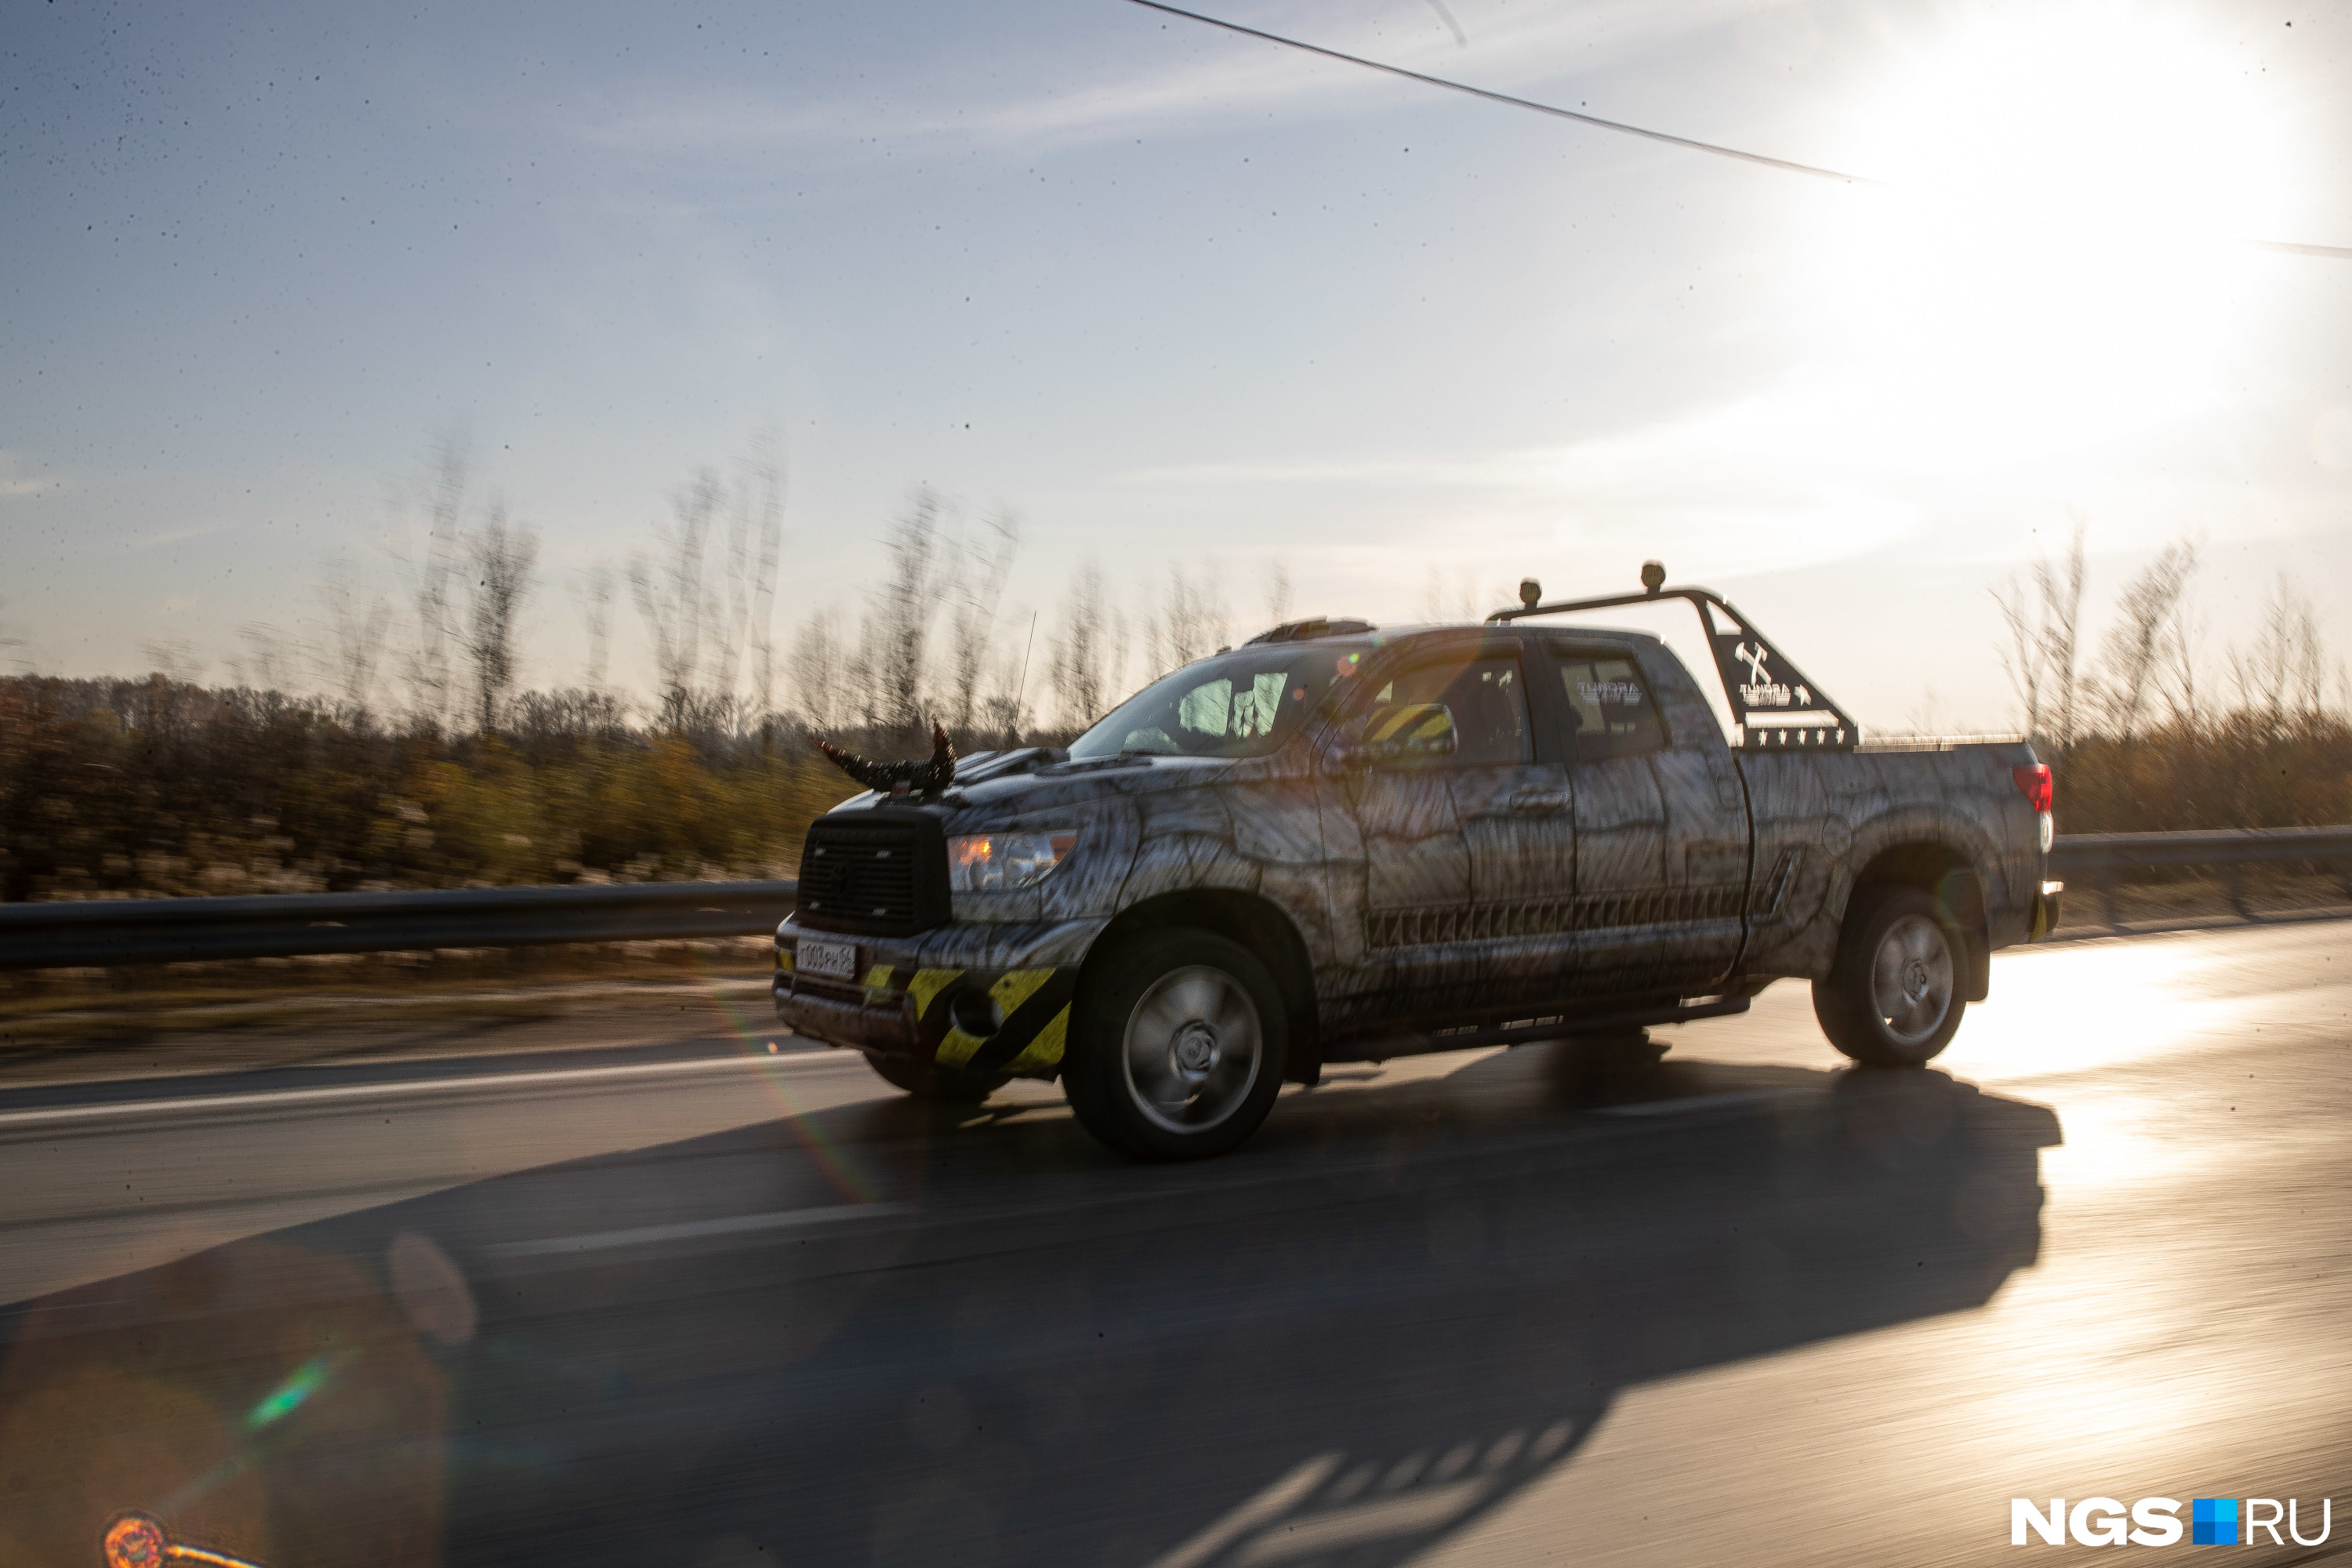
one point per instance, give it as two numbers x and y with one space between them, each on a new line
1339 843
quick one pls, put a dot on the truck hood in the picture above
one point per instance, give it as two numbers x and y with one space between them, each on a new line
993 784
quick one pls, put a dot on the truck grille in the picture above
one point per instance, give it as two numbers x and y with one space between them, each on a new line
881 872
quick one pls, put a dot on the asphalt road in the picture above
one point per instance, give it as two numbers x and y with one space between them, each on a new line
732 1308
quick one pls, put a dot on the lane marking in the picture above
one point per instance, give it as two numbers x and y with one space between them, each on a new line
795 1062
781 1219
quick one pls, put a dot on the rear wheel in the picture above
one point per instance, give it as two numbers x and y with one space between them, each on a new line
1892 997
1179 1047
929 1080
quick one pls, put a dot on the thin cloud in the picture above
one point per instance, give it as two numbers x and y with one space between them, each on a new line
174 536
1218 78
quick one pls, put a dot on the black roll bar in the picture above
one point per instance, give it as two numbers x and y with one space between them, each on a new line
1773 703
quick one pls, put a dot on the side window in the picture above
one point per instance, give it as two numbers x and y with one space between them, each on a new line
1486 697
1609 709
1215 711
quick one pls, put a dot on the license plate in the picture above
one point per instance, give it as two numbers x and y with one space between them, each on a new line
835 960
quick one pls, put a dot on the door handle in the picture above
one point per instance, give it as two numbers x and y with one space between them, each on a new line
1540 800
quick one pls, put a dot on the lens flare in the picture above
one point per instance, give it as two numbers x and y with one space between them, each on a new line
292 1394
135 1540
751 1032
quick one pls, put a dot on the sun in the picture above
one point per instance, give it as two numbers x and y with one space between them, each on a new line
2057 252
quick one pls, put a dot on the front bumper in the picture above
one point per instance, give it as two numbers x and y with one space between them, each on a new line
995 1000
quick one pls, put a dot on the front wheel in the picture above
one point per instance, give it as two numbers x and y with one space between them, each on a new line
929 1080
1178 1048
1892 997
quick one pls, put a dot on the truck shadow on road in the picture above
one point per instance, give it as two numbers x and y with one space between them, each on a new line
874 1334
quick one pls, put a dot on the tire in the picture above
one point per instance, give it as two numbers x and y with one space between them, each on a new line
1179 1045
927 1080
1892 997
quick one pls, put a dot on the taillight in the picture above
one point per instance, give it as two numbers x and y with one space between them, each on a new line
2034 783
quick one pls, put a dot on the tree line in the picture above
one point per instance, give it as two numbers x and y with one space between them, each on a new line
394 742
937 632
2146 730
390 742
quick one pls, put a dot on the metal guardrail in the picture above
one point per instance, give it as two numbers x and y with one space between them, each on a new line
103 931
2101 858
91 932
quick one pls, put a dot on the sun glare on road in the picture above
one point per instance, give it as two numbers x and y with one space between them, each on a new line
2078 1009
2057 255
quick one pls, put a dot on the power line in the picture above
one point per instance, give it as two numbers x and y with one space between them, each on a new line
2333 252
1550 108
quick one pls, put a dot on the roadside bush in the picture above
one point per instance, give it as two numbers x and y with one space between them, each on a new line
158 787
2251 769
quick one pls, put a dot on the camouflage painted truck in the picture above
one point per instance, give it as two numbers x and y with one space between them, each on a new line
1337 843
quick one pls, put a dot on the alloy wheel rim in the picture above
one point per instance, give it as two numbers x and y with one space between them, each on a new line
1911 979
1193 1048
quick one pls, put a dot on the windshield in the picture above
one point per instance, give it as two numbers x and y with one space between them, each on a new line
1241 704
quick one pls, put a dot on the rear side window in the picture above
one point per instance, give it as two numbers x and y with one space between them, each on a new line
1609 709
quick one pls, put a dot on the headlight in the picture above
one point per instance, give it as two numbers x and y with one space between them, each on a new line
1000 862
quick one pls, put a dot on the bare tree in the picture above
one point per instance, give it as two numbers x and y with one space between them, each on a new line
502 555
2184 653
2062 616
357 623
2285 670
764 478
2134 654
2310 659
1005 710
744 606
1277 593
1121 634
2040 656
1077 653
675 602
1928 716
1460 605
1189 623
2022 653
981 567
174 658
900 621
713 628
819 672
272 660
594 594
429 675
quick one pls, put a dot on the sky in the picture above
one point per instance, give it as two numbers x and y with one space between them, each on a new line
1180 299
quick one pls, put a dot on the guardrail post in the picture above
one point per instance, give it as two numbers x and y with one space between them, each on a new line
2107 895
2233 883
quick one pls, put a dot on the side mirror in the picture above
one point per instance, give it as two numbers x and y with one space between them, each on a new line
1345 757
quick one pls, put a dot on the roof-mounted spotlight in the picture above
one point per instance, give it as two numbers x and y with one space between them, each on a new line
1653 575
